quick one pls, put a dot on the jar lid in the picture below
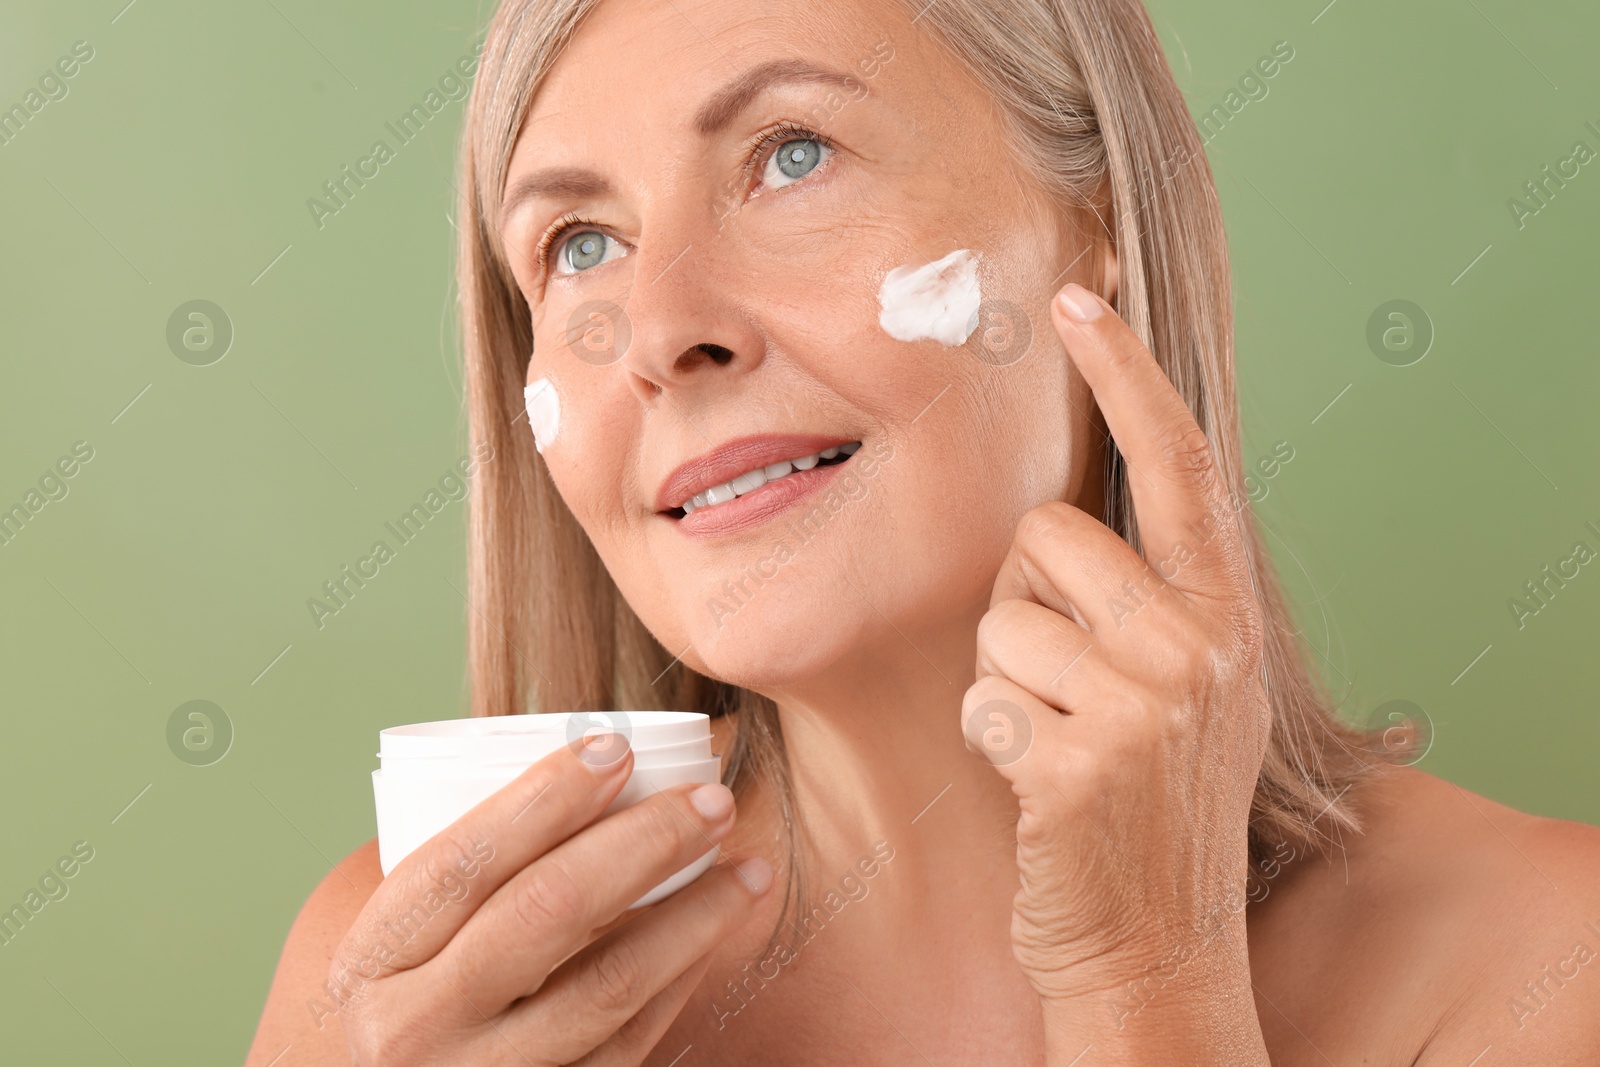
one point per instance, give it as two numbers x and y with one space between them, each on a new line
535 735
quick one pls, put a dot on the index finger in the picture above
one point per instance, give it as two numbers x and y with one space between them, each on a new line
1187 524
485 848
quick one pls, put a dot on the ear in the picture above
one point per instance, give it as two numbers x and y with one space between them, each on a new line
1110 273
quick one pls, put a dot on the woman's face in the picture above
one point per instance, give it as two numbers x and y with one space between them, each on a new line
702 206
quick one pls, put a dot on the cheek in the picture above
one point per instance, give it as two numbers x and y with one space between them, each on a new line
581 427
811 276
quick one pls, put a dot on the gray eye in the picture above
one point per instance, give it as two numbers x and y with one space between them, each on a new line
584 250
795 159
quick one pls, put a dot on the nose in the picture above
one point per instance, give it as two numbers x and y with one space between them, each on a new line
689 328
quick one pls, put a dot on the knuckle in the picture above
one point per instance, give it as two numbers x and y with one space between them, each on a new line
1203 650
1250 624
380 1041
409 1041
655 826
375 1036
619 977
1188 654
351 974
378 1027
550 774
1153 718
1090 768
989 687
365 1037
339 963
1199 656
549 897
442 859
1189 453
1250 630
1172 726
664 828
635 1030
1042 524
640 1032
999 624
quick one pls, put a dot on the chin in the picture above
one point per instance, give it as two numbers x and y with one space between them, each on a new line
792 628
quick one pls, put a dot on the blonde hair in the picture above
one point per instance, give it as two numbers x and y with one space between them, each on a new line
1087 96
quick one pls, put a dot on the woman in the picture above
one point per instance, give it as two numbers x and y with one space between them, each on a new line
882 405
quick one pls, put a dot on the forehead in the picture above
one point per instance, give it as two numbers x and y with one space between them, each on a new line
651 64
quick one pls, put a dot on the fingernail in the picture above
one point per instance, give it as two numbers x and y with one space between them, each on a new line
1079 304
603 752
756 873
714 801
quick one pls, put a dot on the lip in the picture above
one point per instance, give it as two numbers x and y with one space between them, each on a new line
732 458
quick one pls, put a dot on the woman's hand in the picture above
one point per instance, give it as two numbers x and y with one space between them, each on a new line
514 967
1123 697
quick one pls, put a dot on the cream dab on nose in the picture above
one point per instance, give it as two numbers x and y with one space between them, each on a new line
937 301
544 411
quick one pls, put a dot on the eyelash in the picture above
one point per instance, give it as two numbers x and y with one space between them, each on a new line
568 222
755 148
758 145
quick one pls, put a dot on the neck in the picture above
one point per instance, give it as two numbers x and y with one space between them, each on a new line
876 754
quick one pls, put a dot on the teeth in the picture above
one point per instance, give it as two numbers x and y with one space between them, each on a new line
752 480
749 480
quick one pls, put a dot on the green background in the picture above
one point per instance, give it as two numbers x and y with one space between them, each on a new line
177 568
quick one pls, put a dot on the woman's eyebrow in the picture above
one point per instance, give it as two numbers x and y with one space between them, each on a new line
562 183
724 105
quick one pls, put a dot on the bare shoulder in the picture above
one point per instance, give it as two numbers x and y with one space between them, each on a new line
1522 894
1452 924
1428 828
301 1011
1456 850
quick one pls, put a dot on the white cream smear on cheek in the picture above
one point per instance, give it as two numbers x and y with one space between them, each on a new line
544 411
938 301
